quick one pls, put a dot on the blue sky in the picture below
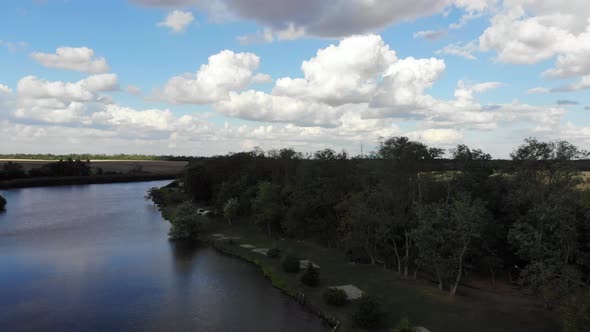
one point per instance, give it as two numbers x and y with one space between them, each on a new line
380 77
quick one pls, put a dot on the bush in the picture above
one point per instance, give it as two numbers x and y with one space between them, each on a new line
274 253
2 203
311 277
369 314
186 223
334 296
404 325
290 262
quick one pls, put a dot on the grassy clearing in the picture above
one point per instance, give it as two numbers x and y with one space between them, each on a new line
418 300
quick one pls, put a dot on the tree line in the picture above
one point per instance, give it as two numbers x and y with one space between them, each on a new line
525 221
91 156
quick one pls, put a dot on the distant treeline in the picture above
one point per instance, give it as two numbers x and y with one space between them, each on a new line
89 156
71 180
524 220
62 168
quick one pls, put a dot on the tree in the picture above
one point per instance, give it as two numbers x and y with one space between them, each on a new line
549 214
445 236
268 207
230 209
186 223
12 170
2 203
359 224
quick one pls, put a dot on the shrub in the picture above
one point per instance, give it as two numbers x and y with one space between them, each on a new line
290 262
334 296
404 325
186 223
2 203
311 277
369 314
274 253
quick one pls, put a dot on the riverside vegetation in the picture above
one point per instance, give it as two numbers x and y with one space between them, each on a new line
520 229
28 173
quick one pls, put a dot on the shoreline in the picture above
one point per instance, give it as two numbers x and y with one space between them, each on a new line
81 180
332 323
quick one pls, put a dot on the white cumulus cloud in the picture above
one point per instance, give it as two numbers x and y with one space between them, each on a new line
80 59
177 20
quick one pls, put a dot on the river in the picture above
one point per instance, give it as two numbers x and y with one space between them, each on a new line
97 258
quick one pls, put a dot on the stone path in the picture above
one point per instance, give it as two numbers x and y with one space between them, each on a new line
352 292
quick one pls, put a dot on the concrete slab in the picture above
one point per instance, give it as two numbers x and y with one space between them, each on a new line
304 263
262 251
422 329
352 292
229 238
247 246
217 235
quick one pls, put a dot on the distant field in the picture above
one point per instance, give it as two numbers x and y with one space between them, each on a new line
123 166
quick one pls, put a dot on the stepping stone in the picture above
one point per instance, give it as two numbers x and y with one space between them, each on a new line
304 263
217 235
262 251
422 329
229 238
247 246
352 292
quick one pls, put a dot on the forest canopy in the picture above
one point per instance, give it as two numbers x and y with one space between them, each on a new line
525 221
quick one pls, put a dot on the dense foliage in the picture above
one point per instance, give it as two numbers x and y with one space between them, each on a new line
274 253
524 221
186 222
404 325
290 262
334 296
369 313
311 276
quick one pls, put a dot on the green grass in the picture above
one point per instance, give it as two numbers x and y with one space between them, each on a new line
420 301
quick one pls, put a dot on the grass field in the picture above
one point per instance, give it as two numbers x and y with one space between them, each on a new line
422 302
122 166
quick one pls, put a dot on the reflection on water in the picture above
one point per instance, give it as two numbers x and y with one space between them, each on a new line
97 258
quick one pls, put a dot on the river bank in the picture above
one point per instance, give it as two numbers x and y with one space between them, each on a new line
78 180
419 300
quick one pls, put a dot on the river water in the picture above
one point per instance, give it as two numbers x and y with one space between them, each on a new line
97 258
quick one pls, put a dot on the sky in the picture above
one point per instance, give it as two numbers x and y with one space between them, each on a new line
207 77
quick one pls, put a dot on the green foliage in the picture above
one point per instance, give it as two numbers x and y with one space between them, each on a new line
311 276
274 253
230 209
166 196
404 325
2 203
290 262
446 233
268 206
575 312
405 207
12 170
186 223
369 314
68 167
334 296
